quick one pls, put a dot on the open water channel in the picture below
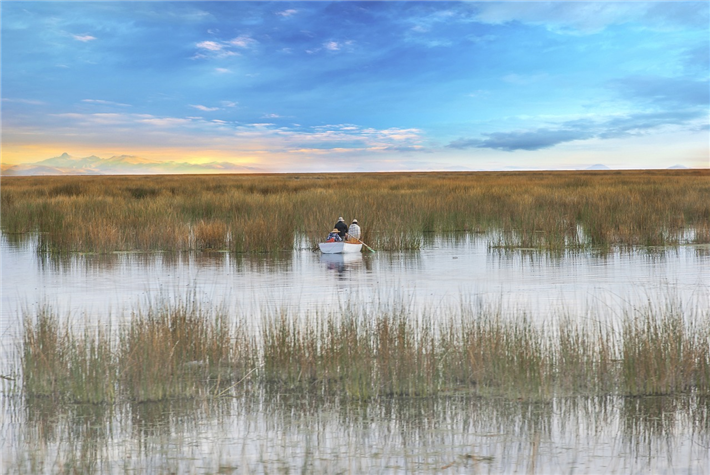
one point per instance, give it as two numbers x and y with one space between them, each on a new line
451 434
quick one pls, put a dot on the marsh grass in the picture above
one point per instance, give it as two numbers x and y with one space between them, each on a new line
179 351
265 213
59 364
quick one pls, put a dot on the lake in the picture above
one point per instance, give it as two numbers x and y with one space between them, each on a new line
441 274
265 432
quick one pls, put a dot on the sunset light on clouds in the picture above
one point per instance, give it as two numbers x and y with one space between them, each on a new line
359 86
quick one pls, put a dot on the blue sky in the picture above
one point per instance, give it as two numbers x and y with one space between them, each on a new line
359 86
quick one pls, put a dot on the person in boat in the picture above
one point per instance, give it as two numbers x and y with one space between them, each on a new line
342 228
354 230
334 236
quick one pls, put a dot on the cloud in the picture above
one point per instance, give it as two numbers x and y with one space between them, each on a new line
665 102
611 127
224 49
335 46
287 13
166 121
71 120
639 123
229 103
664 90
84 38
522 140
413 148
698 58
593 17
223 70
204 108
210 45
107 103
243 41
24 101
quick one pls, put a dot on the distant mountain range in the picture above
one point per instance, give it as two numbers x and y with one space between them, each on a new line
598 166
65 164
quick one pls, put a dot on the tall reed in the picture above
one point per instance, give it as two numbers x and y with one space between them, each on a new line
173 351
177 351
264 213
58 364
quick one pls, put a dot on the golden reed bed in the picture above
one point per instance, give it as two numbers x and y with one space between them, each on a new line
257 213
185 350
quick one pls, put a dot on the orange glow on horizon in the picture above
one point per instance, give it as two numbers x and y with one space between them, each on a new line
32 153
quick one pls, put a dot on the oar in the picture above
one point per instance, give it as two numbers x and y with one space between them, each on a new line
368 247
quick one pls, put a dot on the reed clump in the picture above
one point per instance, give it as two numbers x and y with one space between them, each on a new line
266 213
176 352
182 351
59 364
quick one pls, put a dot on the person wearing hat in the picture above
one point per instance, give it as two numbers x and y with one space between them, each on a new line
354 230
341 227
334 236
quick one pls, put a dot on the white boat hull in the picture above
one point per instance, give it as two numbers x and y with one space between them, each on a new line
339 247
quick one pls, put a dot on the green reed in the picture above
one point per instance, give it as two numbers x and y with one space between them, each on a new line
59 364
178 351
264 213
175 351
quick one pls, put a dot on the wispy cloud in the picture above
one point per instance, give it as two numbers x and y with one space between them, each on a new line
24 101
338 45
287 13
103 102
204 108
165 121
210 45
665 90
224 49
584 18
243 41
84 38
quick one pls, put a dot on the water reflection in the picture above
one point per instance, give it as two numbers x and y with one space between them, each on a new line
340 264
450 267
282 432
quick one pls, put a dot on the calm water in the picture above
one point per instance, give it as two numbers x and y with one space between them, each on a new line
285 434
282 433
441 274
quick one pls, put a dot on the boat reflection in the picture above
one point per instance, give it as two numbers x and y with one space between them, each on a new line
341 263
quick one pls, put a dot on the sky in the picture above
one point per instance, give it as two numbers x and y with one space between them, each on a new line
359 86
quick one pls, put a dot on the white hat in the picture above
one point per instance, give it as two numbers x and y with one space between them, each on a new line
341 219
355 221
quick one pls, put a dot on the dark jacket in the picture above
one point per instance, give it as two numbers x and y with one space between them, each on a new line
342 228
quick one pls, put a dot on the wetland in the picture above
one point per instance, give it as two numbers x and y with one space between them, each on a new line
521 322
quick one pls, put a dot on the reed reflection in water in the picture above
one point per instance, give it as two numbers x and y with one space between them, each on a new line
265 433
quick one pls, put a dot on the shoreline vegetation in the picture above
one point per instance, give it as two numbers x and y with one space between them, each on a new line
551 211
175 351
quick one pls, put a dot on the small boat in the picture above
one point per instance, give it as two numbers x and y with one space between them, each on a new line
339 247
